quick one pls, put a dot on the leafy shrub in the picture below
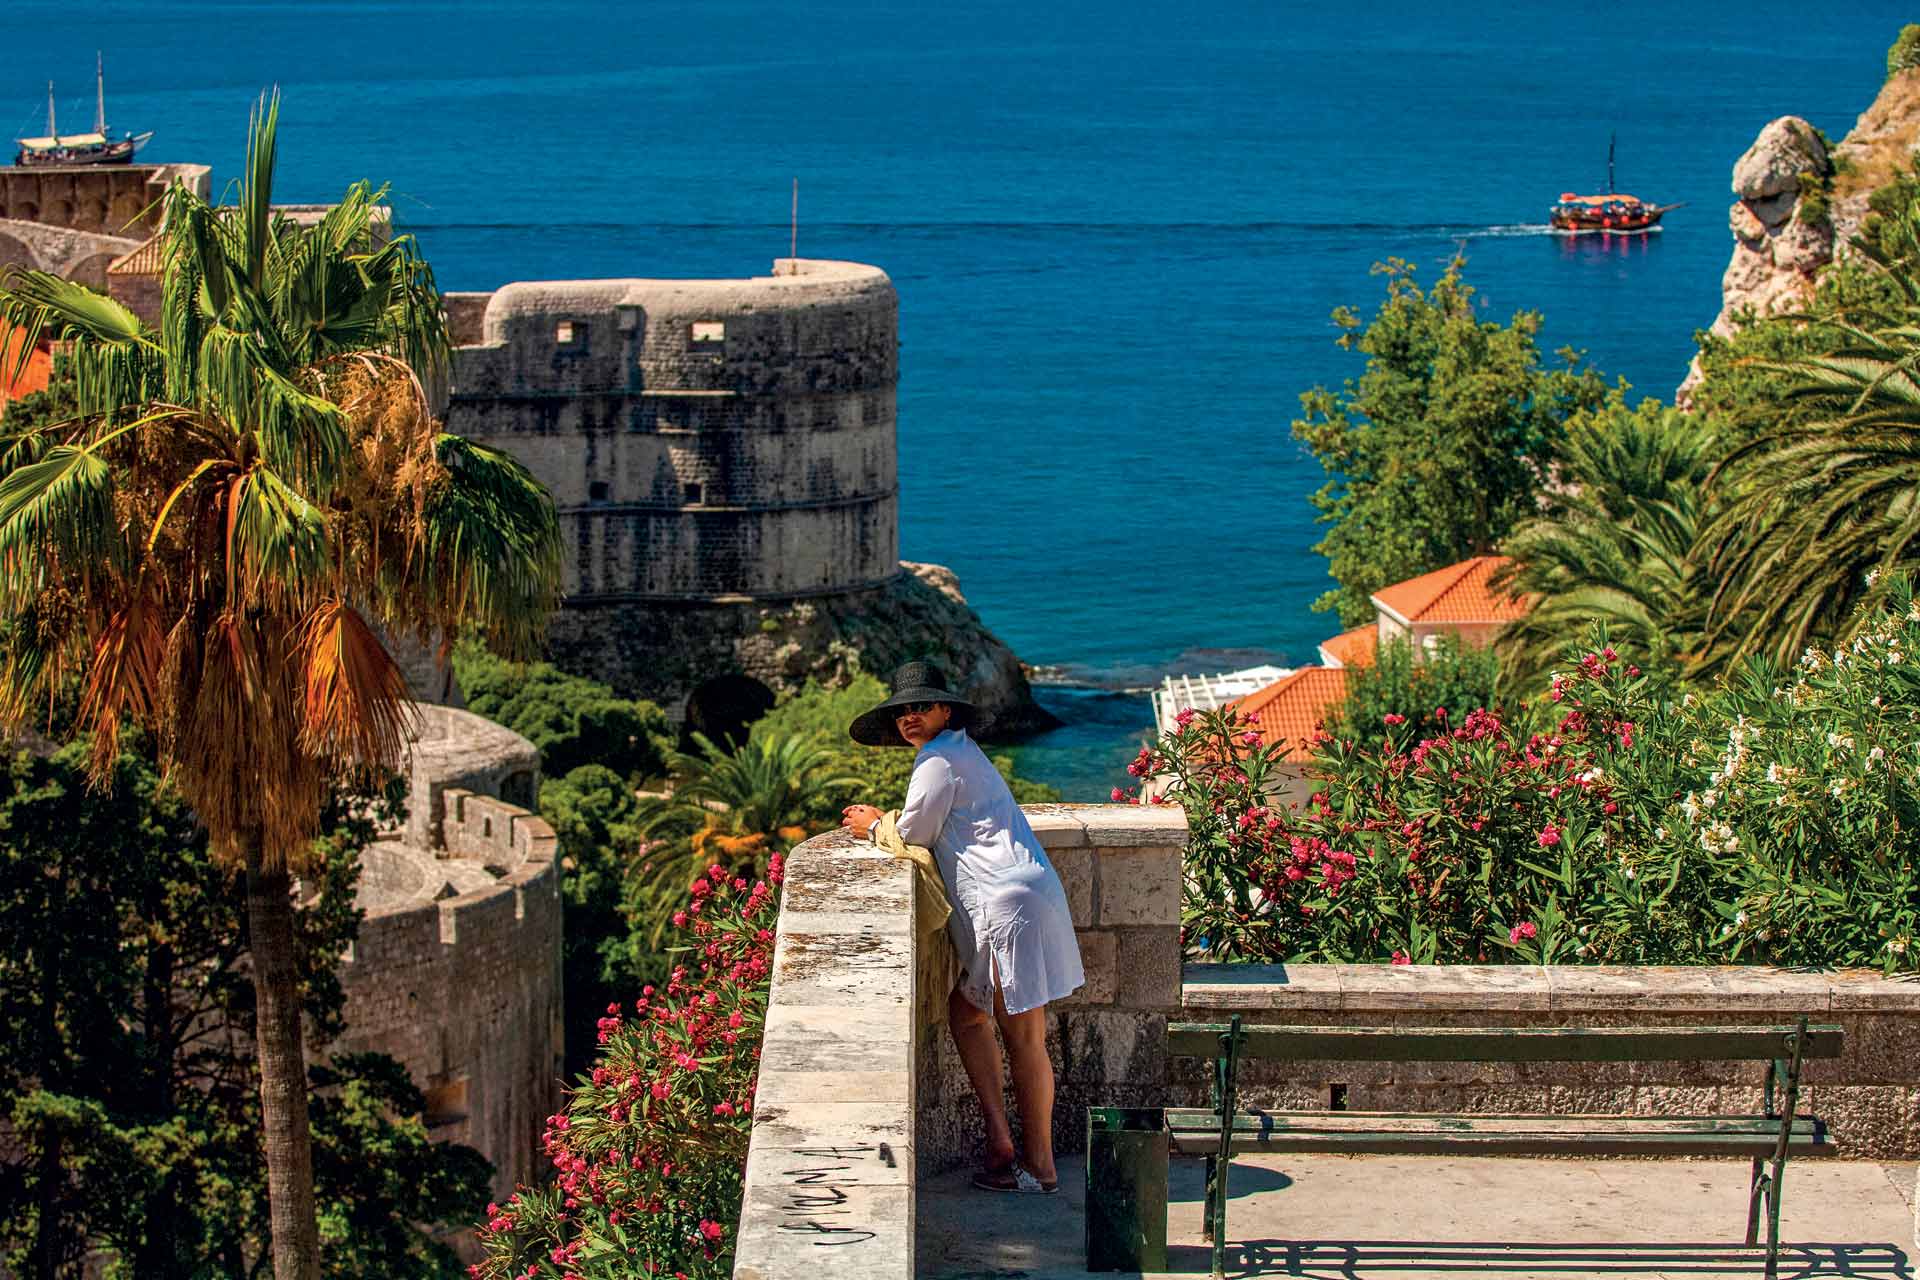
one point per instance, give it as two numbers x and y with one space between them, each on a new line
650 1149
1430 695
1905 51
572 720
1770 820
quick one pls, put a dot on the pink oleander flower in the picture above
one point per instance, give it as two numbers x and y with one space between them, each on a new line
1525 929
1393 718
1401 957
1549 836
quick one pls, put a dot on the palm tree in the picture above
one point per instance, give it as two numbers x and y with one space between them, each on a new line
730 807
1618 548
247 501
1824 506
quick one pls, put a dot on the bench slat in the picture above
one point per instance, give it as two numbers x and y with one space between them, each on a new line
1196 1131
1503 1044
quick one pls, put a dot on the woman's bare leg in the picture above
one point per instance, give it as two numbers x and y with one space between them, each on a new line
1026 1037
972 1034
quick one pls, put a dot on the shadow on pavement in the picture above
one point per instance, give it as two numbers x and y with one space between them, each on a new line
1362 1259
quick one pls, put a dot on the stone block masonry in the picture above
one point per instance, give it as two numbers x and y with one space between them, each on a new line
456 971
722 457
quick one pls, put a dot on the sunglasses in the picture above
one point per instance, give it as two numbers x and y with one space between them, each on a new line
916 709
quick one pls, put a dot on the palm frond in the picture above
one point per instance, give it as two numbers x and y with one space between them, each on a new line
115 360
488 545
355 706
58 508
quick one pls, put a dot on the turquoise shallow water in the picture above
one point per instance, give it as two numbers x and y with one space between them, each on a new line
1117 228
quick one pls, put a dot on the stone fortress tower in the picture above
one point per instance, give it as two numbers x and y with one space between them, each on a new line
722 455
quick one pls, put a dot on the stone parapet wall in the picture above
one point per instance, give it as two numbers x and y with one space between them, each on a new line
451 748
830 1170
1870 1095
1121 868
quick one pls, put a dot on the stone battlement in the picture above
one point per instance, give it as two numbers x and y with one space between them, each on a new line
456 970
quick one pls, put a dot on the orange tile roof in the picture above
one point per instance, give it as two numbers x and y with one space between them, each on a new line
1292 708
1354 648
1457 593
32 378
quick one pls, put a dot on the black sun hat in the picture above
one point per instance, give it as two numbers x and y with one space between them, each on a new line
912 682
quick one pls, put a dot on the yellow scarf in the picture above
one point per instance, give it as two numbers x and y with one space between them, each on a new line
938 966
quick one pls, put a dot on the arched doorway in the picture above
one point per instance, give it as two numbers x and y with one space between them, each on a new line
724 707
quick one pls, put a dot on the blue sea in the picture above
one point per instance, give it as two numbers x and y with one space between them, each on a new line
1117 229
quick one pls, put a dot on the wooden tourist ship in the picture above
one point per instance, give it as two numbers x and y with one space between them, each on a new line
1614 211
81 148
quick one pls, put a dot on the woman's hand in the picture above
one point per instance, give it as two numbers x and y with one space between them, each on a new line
859 818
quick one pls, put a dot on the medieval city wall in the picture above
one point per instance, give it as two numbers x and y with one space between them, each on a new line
456 970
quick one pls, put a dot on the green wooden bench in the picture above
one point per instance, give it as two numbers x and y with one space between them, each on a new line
1128 1148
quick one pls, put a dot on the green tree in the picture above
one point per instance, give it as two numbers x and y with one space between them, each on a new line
125 1011
1820 508
596 818
1429 693
1442 445
572 720
247 500
1617 544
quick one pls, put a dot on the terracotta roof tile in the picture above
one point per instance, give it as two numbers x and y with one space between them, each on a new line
1355 648
1457 593
1291 709
32 378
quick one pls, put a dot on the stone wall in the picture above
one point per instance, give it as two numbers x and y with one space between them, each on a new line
456 970
451 748
1871 1095
702 439
722 457
116 200
1121 868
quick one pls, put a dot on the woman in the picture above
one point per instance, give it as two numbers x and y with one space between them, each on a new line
1010 923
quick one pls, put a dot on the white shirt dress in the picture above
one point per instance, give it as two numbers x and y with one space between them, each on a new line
1010 916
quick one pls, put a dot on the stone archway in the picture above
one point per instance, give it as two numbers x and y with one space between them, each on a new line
15 252
91 271
724 708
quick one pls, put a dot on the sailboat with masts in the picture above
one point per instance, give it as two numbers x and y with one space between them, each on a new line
97 147
1613 211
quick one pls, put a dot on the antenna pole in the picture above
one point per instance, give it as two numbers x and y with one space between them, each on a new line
793 235
99 93
1609 164
52 132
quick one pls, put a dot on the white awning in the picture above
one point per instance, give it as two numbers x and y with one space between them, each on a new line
65 140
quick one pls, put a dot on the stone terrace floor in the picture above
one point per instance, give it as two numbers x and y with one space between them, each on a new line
1415 1217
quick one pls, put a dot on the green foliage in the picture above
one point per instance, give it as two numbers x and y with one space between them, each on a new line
574 721
1815 204
881 773
1439 448
1616 545
1426 693
1822 504
596 818
650 1150
126 1076
1771 819
1905 50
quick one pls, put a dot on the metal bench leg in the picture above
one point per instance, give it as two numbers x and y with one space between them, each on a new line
1206 1212
1227 1099
1756 1187
1789 1105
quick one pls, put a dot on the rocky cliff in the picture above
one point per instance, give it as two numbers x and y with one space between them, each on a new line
1799 201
